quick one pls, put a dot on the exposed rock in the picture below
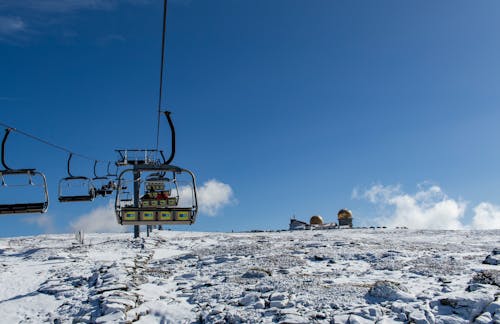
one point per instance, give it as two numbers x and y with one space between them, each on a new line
484 318
418 317
256 273
488 277
341 319
109 308
494 307
402 317
264 288
293 319
278 296
260 304
466 307
388 290
248 299
111 318
356 319
278 303
493 259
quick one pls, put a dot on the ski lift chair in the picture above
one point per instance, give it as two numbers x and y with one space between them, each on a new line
76 188
104 186
148 210
8 173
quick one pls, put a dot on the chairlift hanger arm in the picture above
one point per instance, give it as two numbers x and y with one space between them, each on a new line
96 177
172 129
95 166
4 164
69 166
7 132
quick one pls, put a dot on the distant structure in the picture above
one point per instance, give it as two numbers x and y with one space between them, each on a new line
345 218
315 223
296 225
316 220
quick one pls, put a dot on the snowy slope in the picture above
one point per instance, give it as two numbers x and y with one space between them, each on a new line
356 276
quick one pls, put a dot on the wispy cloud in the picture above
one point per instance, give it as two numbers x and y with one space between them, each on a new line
58 6
99 220
43 14
11 25
65 6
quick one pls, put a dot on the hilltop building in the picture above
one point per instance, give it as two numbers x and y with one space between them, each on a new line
345 218
297 225
315 223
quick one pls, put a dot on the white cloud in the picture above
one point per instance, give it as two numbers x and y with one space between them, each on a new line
213 196
99 220
11 25
486 216
428 208
45 222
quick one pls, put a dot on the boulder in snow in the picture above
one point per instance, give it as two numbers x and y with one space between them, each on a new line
256 273
487 277
492 259
389 290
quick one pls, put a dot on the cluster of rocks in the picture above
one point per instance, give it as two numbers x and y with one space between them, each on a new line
112 294
106 294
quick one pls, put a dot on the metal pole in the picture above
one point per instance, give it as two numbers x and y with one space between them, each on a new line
137 187
148 229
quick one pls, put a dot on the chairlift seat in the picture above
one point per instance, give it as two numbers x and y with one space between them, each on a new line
76 198
82 196
26 208
18 171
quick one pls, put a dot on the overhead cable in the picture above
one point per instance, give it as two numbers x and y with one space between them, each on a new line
56 146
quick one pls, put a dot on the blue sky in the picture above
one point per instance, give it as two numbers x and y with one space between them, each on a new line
301 107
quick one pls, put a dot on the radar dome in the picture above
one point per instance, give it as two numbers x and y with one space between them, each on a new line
316 220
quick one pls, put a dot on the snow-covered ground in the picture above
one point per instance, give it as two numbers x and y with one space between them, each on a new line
341 276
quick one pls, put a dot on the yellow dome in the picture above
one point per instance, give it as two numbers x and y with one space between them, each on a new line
316 220
344 214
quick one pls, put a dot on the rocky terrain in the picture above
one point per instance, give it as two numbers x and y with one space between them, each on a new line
330 276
